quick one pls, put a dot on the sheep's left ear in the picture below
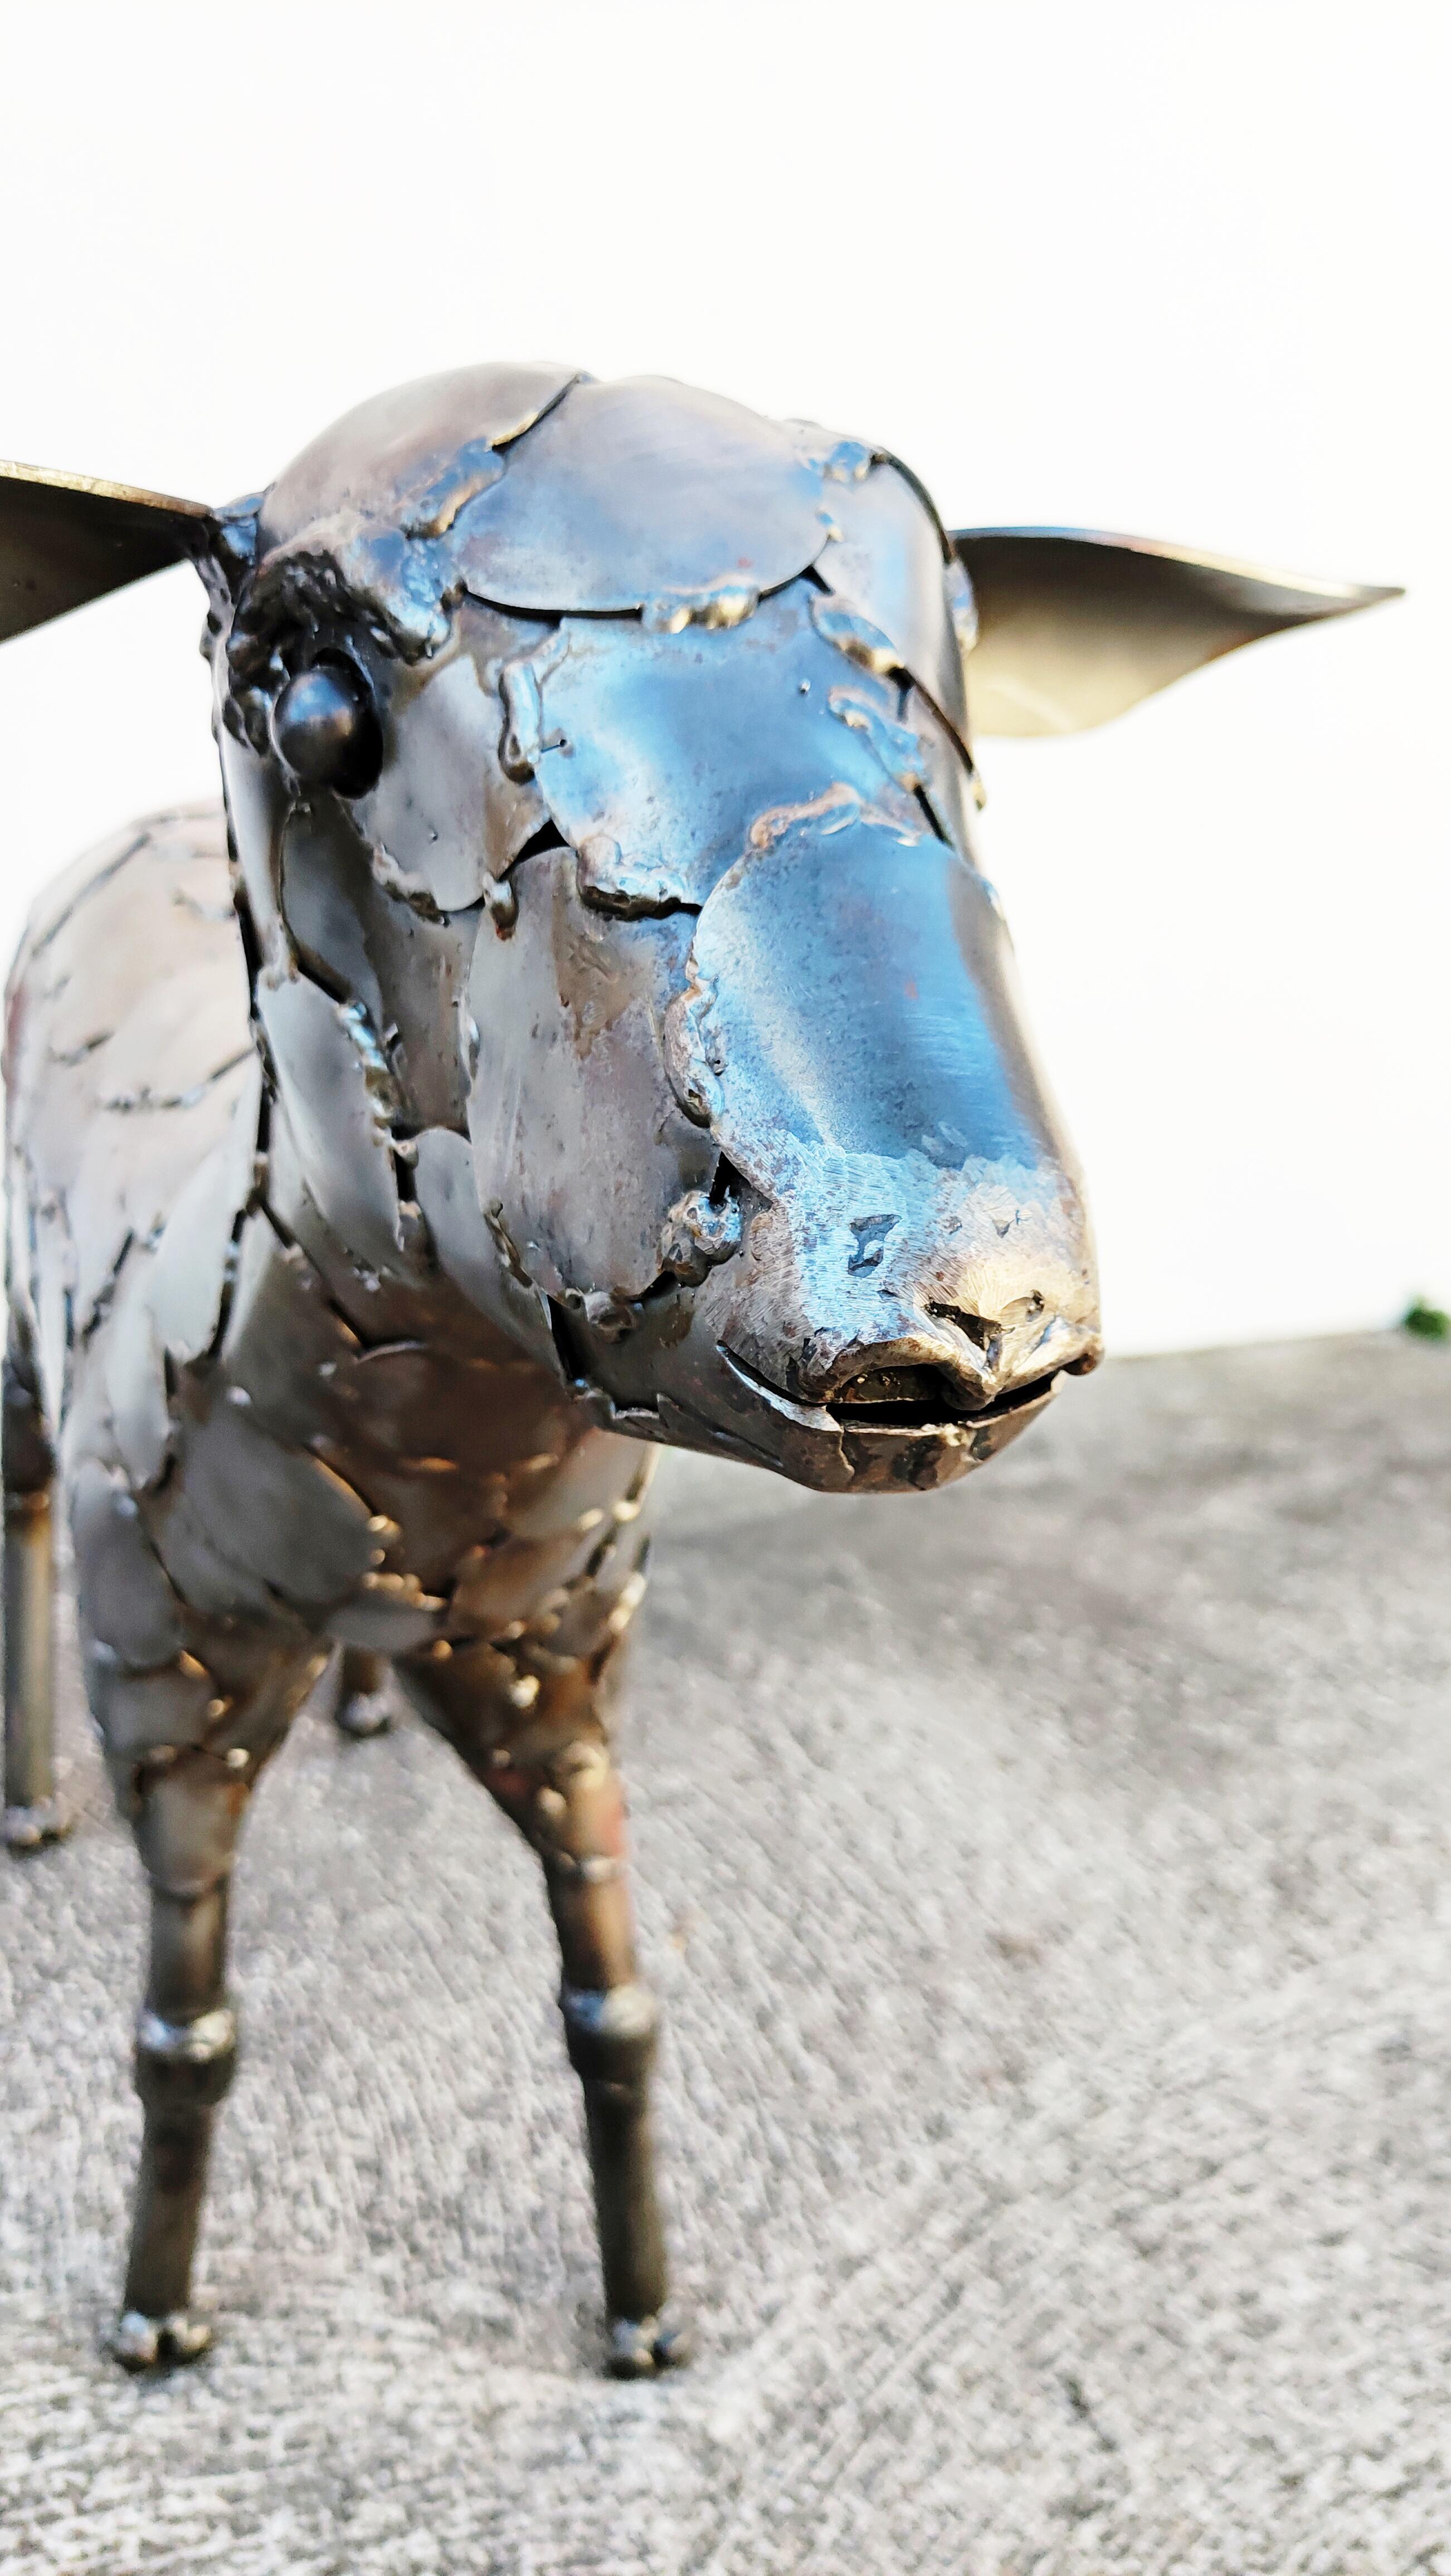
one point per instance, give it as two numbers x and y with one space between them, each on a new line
1073 627
67 538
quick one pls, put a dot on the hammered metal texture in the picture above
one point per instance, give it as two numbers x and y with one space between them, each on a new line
588 1028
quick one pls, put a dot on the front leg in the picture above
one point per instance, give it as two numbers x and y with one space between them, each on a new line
186 1805
550 1768
558 1782
186 2053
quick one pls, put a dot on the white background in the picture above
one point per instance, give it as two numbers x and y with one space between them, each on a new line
1170 270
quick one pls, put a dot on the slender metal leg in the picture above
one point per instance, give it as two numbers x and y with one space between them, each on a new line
569 1799
32 1813
551 1771
186 2050
361 1707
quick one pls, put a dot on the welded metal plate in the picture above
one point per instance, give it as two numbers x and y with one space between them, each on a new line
132 1368
468 1249
357 928
138 1712
340 1091
444 810
282 1517
661 752
601 1483
570 1090
889 563
425 443
643 494
127 1604
850 998
949 785
190 1269
106 1132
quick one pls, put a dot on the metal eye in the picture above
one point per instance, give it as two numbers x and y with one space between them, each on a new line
326 728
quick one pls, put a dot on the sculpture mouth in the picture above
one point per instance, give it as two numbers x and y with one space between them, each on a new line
908 1400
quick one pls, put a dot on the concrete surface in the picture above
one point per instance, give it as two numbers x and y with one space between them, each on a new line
1048 1883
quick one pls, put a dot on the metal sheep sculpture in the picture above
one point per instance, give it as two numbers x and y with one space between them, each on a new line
588 1027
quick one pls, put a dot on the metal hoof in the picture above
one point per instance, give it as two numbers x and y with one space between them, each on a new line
27 1829
639 2347
159 2343
367 1713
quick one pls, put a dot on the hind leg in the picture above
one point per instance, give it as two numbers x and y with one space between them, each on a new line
32 1814
186 1804
540 1746
361 1707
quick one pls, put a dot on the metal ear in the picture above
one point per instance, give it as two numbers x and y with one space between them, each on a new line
1074 627
67 538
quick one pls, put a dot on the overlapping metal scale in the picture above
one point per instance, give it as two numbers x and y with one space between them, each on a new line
401 446
660 753
888 563
644 495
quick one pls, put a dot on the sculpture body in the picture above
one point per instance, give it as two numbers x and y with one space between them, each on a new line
599 1034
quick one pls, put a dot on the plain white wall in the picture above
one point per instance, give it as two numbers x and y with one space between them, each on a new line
1170 270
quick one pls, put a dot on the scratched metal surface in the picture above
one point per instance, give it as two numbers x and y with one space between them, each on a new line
1047 1882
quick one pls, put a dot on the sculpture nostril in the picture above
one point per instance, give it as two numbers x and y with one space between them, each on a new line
976 1327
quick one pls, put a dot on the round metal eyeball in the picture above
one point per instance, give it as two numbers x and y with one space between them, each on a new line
326 728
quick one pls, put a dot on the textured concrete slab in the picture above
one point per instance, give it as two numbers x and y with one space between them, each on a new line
1048 1882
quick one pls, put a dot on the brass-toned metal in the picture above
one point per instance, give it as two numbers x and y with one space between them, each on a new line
1074 627
588 1027
67 538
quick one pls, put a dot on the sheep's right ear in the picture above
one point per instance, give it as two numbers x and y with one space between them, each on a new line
67 538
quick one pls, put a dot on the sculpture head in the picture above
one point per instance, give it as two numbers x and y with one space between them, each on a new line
597 764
